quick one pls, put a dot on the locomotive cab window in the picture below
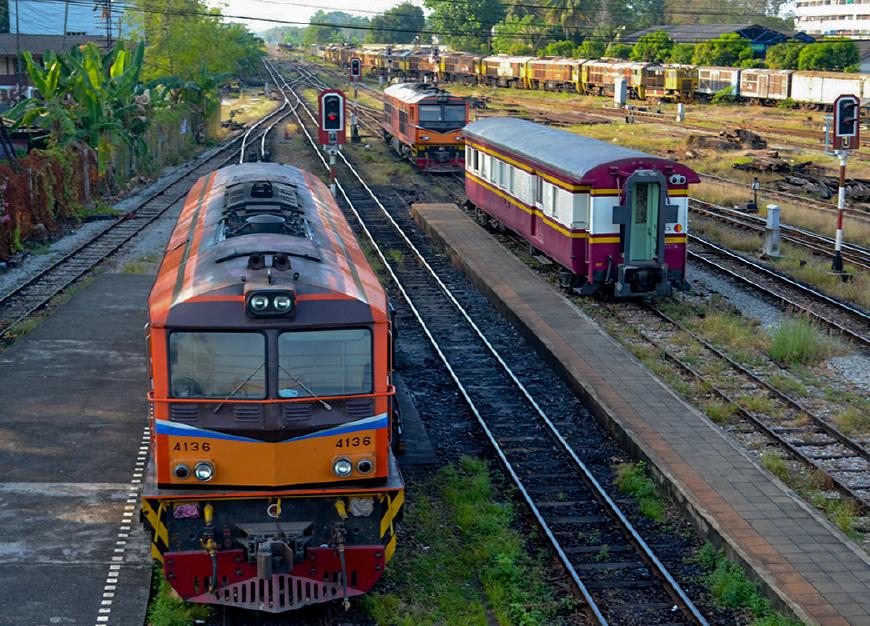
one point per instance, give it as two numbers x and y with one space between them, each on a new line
442 117
324 363
217 365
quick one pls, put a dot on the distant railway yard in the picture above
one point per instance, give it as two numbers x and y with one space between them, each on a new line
505 356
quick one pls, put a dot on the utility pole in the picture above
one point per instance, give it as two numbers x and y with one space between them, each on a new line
65 23
107 15
17 54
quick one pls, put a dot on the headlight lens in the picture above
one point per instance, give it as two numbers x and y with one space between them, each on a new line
342 468
282 303
259 303
181 471
204 471
364 466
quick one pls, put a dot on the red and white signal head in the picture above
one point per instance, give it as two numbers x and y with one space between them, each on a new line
332 117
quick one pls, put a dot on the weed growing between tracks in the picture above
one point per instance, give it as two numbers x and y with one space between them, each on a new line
167 608
464 561
797 342
632 480
731 588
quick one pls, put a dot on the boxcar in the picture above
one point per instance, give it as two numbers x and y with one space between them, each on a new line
424 124
271 484
423 64
613 218
822 88
761 84
712 80
599 77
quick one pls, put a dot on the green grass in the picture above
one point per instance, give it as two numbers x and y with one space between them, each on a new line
788 385
797 342
720 412
855 419
735 334
467 562
632 480
731 588
776 465
167 609
756 403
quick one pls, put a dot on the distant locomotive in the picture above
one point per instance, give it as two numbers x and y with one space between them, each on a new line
613 218
271 484
424 124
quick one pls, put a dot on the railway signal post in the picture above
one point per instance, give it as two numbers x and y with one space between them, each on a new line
331 133
846 137
355 77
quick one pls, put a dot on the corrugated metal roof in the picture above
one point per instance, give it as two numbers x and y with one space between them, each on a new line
572 154
40 44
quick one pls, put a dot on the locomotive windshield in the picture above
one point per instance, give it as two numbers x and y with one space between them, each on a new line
324 363
442 117
217 365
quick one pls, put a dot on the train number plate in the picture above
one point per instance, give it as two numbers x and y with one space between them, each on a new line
353 442
192 446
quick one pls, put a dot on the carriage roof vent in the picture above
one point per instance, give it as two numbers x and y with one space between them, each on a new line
263 206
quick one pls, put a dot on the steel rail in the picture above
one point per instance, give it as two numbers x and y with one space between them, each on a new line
43 299
634 537
821 244
844 307
794 450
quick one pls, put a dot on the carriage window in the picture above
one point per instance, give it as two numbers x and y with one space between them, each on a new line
537 190
641 193
475 155
325 363
217 365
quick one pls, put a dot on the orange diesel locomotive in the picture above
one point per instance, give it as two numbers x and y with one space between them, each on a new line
424 124
272 484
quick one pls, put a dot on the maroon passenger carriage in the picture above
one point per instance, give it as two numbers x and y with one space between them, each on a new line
614 218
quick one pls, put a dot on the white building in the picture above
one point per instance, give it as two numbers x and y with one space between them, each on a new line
847 18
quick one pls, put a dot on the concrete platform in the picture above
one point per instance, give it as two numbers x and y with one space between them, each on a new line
809 564
72 414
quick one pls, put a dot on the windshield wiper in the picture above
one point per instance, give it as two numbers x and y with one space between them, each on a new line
325 404
238 388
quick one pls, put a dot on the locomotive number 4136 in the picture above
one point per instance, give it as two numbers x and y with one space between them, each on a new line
192 446
353 442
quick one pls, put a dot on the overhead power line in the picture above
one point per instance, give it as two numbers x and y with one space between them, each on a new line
448 33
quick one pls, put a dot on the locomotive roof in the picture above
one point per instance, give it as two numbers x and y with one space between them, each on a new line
574 155
413 93
266 209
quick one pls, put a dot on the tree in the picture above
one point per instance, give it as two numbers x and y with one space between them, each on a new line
591 48
654 47
784 56
724 50
401 24
571 16
682 53
618 51
517 35
559 49
466 25
830 54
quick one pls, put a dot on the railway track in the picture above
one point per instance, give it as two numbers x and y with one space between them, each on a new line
618 575
858 256
837 315
38 291
783 420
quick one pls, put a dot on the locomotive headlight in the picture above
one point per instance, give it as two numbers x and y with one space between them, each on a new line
361 507
281 303
259 303
342 468
204 471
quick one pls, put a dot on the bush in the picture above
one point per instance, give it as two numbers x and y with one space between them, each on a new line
618 51
797 342
725 96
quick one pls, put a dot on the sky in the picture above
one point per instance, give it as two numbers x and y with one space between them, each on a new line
300 10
